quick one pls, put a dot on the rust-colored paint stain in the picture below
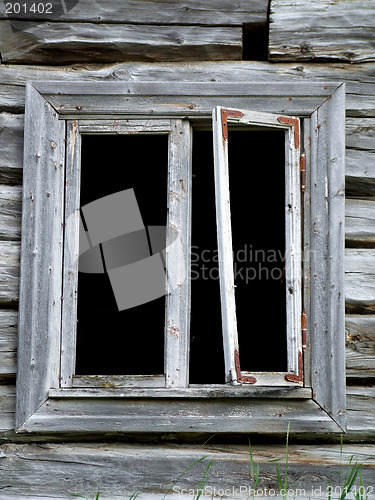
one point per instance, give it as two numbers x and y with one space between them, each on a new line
295 124
299 376
241 378
302 166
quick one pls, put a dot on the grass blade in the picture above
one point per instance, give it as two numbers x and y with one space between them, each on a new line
204 479
183 473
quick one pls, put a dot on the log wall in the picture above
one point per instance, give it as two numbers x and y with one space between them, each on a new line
310 40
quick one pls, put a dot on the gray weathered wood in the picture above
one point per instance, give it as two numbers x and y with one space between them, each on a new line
361 413
224 236
327 303
217 12
183 99
359 366
41 258
360 281
360 223
71 43
177 256
10 214
225 246
360 172
360 134
360 156
7 408
306 204
360 79
204 89
321 30
71 254
59 470
9 273
110 383
360 346
11 147
114 390
360 410
8 342
154 415
332 122
124 126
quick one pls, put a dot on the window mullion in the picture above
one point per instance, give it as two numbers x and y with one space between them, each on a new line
71 254
177 324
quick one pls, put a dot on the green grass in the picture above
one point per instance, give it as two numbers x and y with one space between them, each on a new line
347 480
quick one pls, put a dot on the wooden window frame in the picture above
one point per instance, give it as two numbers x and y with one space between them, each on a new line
55 115
177 338
222 117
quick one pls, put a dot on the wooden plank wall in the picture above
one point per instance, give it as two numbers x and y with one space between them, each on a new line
301 32
59 470
322 30
360 179
151 30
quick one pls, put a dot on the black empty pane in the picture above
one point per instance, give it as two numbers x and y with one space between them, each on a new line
257 194
131 341
206 357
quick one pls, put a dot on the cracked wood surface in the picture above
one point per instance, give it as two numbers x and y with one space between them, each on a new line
59 470
70 43
172 12
322 30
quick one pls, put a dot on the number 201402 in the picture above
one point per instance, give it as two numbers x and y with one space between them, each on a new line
27 8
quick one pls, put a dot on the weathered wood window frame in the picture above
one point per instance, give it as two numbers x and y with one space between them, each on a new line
222 117
55 116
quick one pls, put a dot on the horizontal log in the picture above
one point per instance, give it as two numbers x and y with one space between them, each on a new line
11 147
7 409
361 413
60 470
322 30
360 333
360 346
360 173
360 156
359 366
360 281
360 223
70 43
360 88
217 12
9 273
360 134
10 214
8 343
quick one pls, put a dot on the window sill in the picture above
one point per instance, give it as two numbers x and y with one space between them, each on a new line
194 391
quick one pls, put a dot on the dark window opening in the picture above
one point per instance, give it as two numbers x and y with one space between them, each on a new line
206 353
257 194
255 42
128 341
257 190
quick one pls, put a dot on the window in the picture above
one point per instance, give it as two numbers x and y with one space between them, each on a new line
65 194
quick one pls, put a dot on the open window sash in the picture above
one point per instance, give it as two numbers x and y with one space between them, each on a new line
293 273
